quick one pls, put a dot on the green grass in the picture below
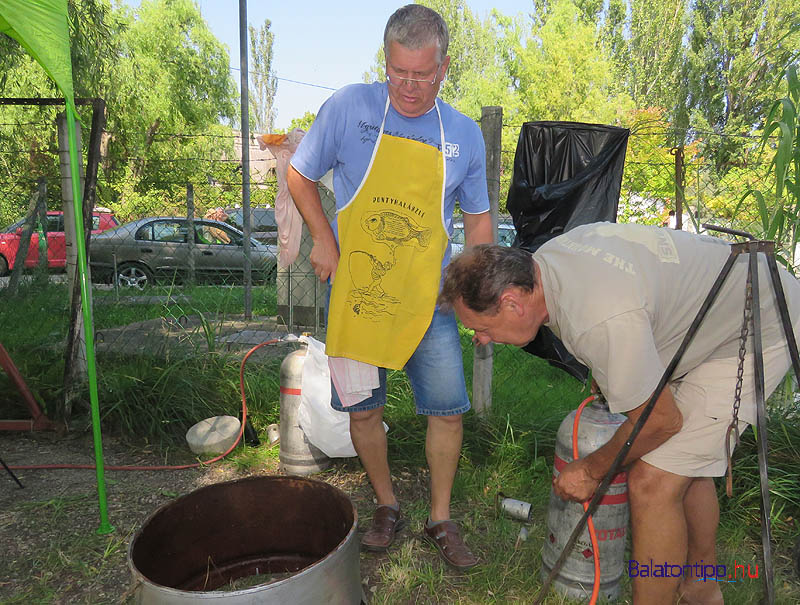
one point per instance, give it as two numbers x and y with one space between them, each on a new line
81 557
204 299
160 397
509 450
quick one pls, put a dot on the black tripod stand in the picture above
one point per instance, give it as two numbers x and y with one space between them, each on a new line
752 248
13 476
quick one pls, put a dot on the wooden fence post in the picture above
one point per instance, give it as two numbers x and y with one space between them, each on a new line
680 183
482 364
38 200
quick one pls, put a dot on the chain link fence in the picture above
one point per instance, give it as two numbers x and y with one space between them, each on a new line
670 186
173 274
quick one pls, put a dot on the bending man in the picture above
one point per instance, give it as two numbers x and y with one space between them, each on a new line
621 298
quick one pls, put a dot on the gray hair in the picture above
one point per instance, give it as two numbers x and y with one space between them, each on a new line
481 274
415 26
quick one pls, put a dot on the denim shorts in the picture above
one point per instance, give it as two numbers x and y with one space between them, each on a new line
435 371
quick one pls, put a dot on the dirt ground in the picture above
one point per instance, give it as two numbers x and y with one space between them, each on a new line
51 551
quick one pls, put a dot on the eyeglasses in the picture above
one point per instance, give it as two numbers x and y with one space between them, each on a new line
422 83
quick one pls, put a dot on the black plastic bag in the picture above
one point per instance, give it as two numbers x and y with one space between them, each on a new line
565 174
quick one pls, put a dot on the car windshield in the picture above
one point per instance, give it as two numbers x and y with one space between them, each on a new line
15 226
505 234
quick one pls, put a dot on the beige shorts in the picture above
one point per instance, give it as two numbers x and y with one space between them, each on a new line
705 398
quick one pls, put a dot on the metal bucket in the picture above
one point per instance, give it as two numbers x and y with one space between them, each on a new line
295 535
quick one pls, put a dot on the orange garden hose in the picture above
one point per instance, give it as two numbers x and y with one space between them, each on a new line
590 523
167 467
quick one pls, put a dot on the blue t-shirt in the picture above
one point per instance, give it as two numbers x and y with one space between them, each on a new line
344 133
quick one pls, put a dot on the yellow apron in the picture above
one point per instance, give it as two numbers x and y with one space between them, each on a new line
392 241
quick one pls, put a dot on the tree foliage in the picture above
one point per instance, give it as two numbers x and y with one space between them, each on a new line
262 76
163 74
699 75
778 205
736 49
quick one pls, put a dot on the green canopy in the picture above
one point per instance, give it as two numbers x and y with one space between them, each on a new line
42 28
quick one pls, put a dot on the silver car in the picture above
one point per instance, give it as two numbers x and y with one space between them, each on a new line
505 236
139 252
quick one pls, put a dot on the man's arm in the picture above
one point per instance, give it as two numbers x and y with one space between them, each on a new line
325 253
579 479
477 229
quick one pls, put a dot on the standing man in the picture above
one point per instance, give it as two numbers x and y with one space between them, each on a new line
401 158
622 298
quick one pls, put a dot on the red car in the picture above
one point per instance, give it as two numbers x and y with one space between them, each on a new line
56 242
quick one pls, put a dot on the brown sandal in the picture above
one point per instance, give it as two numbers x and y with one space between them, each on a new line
385 524
445 536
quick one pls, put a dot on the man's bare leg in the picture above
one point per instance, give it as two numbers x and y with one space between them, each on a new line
701 509
442 449
659 529
369 439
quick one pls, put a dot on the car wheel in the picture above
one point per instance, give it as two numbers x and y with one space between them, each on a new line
134 276
3 266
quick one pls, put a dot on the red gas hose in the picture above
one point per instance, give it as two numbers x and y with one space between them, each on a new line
167 467
592 534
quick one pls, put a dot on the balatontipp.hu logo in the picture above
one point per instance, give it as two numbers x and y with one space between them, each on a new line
698 571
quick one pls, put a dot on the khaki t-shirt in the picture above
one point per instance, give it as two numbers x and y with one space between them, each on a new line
622 298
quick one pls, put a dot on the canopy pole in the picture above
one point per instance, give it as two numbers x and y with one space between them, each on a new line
105 526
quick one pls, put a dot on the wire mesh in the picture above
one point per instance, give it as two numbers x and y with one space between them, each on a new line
171 280
651 187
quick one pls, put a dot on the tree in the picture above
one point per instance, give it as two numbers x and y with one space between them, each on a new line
92 45
655 52
304 122
735 47
262 76
561 73
171 77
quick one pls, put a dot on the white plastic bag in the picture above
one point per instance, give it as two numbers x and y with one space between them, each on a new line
326 428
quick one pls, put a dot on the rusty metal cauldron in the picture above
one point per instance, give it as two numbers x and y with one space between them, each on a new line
297 456
597 426
296 536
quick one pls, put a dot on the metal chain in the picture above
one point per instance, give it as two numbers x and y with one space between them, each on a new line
737 397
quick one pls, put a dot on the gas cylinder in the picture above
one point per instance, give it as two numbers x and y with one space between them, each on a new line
576 577
297 456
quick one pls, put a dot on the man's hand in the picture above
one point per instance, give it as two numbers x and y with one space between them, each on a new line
575 483
325 253
324 258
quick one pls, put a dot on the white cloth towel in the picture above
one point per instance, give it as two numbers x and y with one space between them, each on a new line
290 223
353 380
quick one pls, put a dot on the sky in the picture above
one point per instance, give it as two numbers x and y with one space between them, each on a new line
324 44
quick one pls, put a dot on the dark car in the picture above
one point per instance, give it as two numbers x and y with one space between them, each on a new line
158 248
262 223
102 220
